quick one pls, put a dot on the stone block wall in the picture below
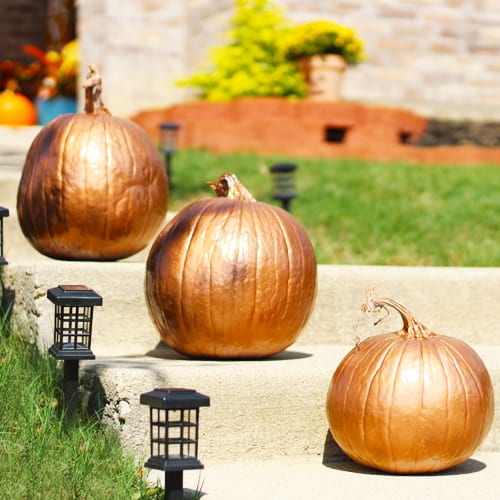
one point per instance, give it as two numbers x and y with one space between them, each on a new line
436 58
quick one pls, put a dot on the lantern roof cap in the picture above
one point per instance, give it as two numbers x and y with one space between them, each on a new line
68 295
174 399
169 126
282 167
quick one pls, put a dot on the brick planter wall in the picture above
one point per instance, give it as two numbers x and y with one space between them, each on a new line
307 128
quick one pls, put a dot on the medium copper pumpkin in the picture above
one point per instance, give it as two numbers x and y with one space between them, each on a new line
231 277
410 401
93 186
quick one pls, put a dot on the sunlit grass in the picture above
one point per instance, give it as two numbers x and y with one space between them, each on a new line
361 212
41 455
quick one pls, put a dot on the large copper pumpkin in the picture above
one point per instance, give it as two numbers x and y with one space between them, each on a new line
93 186
410 401
230 277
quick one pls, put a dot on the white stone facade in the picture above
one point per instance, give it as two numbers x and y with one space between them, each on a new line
437 58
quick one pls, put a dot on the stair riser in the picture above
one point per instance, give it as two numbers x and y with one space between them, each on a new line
459 302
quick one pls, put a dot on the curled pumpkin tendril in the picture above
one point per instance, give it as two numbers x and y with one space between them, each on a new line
411 327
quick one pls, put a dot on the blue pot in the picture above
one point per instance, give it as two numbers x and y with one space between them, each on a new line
48 109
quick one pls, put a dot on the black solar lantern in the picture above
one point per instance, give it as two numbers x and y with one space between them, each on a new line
4 212
284 183
168 144
74 311
173 419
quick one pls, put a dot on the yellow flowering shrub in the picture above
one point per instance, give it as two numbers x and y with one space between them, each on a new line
323 37
252 63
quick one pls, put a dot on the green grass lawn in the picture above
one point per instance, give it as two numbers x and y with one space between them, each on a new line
362 212
41 455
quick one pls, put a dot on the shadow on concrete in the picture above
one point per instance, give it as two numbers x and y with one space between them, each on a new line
335 458
7 300
92 395
162 351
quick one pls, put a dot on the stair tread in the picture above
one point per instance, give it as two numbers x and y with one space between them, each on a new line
306 478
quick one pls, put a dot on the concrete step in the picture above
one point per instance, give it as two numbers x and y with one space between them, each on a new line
14 144
309 479
260 410
250 399
461 302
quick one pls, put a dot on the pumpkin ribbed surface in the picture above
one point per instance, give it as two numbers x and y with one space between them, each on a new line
231 278
93 187
409 403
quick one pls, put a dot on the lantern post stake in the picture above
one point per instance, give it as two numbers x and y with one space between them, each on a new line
4 212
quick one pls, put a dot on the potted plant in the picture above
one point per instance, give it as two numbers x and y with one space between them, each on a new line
57 80
323 49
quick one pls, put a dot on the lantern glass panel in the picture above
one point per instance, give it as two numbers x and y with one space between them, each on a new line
174 433
73 326
168 137
284 180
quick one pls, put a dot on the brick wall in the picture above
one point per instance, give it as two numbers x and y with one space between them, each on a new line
436 58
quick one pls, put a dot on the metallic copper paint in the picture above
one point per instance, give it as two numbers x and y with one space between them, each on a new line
410 404
231 278
93 187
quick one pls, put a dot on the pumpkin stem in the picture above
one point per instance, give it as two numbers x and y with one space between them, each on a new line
93 90
411 327
228 186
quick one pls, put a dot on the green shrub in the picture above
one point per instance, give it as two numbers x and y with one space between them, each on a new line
253 63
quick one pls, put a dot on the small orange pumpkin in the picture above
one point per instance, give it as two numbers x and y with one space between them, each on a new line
230 277
16 109
410 401
93 186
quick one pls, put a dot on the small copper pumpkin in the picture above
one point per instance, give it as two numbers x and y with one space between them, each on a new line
93 186
231 277
411 401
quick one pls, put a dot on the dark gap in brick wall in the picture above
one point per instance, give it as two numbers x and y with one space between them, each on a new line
335 134
404 137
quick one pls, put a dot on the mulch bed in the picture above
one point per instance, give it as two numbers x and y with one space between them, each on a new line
460 133
305 128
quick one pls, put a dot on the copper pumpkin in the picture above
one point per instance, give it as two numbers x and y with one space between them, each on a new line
411 401
231 277
93 186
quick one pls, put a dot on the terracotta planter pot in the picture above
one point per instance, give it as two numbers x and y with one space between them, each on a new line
323 75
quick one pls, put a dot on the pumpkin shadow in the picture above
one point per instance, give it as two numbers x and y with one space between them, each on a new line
162 351
335 458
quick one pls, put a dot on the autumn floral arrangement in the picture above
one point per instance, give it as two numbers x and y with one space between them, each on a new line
51 73
321 38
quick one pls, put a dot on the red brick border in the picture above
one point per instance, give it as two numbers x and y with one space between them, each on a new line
306 129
